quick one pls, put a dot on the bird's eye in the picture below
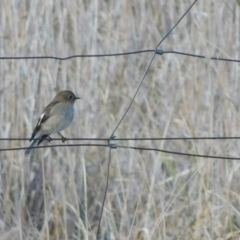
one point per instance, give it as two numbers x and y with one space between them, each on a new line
71 97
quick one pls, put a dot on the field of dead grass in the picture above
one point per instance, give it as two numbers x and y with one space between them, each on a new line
57 192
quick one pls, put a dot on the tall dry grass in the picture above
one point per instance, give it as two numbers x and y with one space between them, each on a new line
57 192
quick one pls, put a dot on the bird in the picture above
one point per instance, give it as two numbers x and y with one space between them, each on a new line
56 116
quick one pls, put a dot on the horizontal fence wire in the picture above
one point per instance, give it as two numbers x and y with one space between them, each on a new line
129 139
116 146
156 51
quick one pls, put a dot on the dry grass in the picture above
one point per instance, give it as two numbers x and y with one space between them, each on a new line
57 193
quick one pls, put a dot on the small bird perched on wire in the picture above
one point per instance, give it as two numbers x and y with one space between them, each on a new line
56 116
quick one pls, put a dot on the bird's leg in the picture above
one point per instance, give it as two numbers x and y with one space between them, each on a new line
63 138
49 138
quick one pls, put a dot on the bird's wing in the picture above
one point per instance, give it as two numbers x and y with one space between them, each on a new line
44 116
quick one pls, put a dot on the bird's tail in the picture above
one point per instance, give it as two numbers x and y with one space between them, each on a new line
33 144
36 142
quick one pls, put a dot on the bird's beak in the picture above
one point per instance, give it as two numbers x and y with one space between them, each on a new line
76 98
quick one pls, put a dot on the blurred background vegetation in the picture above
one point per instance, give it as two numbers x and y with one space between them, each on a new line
57 192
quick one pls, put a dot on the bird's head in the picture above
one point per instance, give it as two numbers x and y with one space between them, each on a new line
66 96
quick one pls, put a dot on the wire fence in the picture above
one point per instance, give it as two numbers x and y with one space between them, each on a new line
113 142
117 145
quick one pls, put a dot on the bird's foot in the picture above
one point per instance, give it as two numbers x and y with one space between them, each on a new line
49 139
63 138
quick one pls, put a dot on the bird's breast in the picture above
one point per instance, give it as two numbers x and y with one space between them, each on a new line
60 118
